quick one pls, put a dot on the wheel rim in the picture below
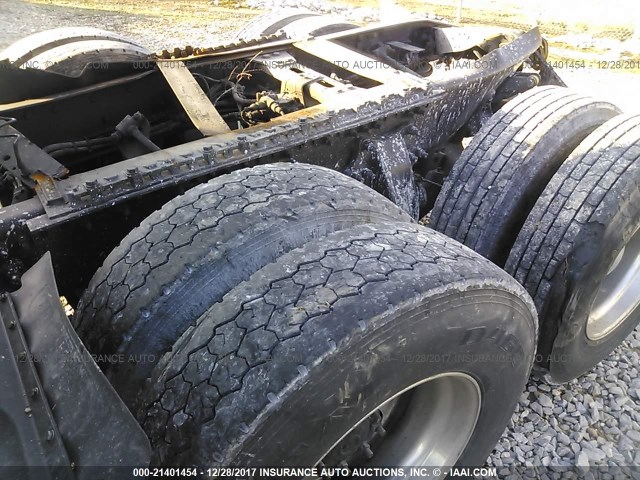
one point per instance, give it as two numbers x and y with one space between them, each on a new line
619 292
430 423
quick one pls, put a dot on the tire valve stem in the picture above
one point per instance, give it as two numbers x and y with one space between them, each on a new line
367 450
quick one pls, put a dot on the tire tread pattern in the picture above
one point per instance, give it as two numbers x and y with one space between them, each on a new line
169 244
478 197
587 183
226 370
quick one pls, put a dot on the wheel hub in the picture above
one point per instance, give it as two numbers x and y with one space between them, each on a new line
619 292
427 424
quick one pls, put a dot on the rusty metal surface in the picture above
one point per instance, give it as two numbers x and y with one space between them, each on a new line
437 108
309 86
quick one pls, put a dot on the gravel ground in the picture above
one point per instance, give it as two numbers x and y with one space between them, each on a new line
593 421
19 19
590 422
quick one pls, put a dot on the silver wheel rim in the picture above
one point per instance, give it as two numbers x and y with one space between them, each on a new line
439 416
619 292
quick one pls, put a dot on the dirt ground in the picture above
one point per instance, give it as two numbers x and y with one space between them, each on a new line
162 24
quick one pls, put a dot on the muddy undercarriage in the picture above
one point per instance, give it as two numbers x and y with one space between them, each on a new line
386 105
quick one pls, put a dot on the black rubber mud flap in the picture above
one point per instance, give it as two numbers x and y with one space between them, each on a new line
96 427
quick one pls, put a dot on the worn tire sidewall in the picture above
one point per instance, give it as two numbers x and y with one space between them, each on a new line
438 335
573 353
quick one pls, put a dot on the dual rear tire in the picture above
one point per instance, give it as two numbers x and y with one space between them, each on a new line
296 317
578 253
549 190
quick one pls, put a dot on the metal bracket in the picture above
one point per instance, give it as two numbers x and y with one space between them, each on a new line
196 104
26 158
47 190
357 63
29 166
548 75
396 171
301 81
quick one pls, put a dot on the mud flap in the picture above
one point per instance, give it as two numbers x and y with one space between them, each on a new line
69 413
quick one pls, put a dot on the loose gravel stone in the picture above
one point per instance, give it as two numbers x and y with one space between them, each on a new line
545 401
583 459
634 435
564 438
